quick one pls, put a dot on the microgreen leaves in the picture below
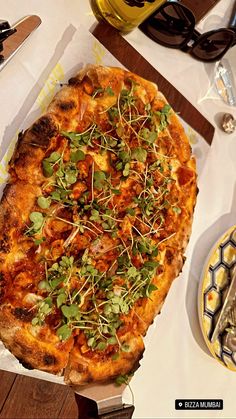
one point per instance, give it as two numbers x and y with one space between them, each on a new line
64 332
99 179
177 210
139 154
43 202
163 115
37 222
70 311
108 90
50 162
45 307
79 139
95 291
148 136
122 379
77 155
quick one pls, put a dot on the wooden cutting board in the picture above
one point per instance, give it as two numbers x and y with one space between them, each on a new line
132 60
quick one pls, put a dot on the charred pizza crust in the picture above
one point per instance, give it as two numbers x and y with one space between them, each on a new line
93 226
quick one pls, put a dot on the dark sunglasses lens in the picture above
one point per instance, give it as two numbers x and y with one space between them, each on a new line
210 47
171 25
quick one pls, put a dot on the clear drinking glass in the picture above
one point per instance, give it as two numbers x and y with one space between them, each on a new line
225 77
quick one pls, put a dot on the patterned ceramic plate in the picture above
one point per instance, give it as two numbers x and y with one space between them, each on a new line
214 284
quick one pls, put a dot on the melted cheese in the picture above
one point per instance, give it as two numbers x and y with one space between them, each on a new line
100 160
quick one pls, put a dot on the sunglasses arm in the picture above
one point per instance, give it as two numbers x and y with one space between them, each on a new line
232 22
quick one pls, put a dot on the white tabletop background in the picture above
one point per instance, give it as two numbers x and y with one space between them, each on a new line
176 362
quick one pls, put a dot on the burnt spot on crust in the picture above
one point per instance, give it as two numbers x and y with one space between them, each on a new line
183 262
8 219
73 81
20 140
4 243
23 314
49 360
66 105
169 256
80 368
2 293
43 130
20 137
25 364
2 286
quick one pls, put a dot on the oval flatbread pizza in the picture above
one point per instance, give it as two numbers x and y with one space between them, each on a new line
94 222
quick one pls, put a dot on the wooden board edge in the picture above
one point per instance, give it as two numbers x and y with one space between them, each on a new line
132 60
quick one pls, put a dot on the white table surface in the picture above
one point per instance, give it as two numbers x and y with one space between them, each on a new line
176 363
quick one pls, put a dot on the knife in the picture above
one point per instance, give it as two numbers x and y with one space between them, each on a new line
5 31
228 304
20 32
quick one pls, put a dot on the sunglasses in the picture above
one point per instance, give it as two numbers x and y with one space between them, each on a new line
173 25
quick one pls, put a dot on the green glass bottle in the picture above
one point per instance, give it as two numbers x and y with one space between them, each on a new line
124 15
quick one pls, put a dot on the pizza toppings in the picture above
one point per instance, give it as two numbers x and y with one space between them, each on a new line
120 211
107 223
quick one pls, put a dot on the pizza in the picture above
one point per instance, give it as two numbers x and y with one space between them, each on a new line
94 222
